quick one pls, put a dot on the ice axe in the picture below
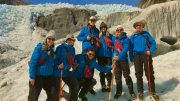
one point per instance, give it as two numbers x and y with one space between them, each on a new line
149 75
60 86
112 79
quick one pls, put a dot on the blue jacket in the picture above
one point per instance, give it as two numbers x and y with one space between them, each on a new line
44 69
61 57
124 41
103 50
80 58
138 44
83 37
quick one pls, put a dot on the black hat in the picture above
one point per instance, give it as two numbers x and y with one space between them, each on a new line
103 25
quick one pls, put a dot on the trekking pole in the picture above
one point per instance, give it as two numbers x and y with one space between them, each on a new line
149 74
112 79
60 85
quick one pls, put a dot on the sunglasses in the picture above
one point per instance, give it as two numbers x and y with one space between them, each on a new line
92 54
119 30
51 39
93 20
138 25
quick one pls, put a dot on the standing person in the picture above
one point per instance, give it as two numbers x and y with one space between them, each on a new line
139 50
86 35
41 68
82 72
105 55
65 61
89 37
121 43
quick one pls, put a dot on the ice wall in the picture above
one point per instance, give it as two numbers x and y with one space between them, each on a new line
17 23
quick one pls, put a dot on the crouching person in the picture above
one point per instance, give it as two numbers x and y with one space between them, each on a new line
65 61
41 68
83 74
121 43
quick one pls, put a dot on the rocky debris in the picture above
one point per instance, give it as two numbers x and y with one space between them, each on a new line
3 84
145 3
15 2
10 55
65 20
5 47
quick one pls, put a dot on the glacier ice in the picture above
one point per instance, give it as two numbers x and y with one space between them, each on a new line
17 23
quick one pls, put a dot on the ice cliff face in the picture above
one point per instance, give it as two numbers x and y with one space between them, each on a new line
65 21
162 20
145 3
119 18
15 2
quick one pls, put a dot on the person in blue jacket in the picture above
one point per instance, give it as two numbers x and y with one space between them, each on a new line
65 52
104 56
41 68
86 35
88 40
121 47
80 72
139 51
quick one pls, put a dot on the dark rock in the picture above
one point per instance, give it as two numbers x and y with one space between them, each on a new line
5 47
65 21
15 2
145 3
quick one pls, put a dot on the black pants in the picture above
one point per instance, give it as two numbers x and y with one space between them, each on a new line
72 84
141 59
103 61
40 82
87 86
123 67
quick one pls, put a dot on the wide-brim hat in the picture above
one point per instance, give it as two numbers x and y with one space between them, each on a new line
137 22
70 36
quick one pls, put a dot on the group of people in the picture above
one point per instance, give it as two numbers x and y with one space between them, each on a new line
47 66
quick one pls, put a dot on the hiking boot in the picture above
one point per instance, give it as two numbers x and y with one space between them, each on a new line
155 96
117 95
108 89
103 88
133 95
83 97
140 95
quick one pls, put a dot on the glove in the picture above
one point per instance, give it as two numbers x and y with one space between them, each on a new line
61 66
74 66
